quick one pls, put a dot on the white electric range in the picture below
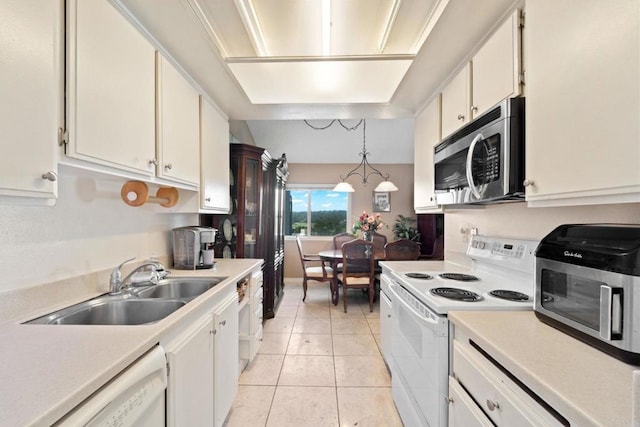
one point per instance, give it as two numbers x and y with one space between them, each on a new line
420 300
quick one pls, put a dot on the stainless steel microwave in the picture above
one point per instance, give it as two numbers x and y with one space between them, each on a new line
588 285
484 161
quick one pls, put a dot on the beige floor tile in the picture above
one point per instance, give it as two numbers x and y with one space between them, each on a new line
367 407
355 345
263 370
274 343
378 343
307 371
305 325
350 326
371 315
356 371
287 311
311 344
304 406
251 406
353 311
374 324
312 311
279 325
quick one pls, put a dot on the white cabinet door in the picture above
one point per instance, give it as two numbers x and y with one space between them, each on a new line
178 117
455 102
386 326
496 67
31 70
583 102
225 377
426 136
190 388
111 89
214 159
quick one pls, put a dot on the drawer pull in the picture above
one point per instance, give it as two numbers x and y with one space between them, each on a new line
492 405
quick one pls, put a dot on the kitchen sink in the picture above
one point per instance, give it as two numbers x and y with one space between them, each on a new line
179 288
112 311
137 306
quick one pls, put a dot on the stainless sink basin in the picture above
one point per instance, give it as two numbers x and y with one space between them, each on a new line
112 311
145 304
179 288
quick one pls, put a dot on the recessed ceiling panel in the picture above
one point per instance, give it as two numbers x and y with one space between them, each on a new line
357 27
373 81
413 16
225 23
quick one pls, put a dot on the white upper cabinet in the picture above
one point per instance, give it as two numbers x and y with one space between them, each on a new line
583 102
456 101
496 67
493 74
214 159
426 136
111 89
31 70
178 118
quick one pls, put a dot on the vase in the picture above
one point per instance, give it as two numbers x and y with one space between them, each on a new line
367 236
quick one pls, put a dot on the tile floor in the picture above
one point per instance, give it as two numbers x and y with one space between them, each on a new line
317 366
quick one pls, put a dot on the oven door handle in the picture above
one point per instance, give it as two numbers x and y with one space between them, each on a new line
479 137
610 313
397 297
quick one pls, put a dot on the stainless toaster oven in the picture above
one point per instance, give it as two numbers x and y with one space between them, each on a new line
588 285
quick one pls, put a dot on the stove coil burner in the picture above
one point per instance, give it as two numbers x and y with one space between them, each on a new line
459 277
509 295
456 294
424 276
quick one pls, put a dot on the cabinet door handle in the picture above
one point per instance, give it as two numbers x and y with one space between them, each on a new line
153 162
50 176
460 116
208 199
474 109
168 166
528 183
492 405
224 322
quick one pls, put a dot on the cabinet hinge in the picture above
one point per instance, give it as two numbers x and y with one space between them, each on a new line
522 77
521 19
168 369
63 137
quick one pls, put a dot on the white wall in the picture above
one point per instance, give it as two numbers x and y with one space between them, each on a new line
89 229
516 220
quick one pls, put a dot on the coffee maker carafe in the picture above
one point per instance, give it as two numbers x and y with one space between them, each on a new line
193 247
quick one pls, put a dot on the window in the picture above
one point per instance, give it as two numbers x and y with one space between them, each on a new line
315 212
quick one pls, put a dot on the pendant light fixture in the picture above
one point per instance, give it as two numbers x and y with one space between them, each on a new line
344 186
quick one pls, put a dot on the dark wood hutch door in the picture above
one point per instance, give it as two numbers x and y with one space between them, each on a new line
254 228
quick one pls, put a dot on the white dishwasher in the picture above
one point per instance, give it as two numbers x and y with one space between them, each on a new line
136 397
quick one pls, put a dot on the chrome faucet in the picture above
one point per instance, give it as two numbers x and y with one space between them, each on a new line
117 283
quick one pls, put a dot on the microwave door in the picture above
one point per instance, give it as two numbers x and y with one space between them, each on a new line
469 164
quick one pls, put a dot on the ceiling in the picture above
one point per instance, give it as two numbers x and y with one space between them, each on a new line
187 30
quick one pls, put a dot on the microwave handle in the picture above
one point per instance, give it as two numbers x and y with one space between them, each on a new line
472 186
610 313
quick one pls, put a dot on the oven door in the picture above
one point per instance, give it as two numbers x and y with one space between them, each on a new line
589 300
420 356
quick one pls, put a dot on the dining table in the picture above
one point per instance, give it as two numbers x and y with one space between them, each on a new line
334 257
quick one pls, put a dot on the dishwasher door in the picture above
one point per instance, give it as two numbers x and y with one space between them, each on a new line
136 397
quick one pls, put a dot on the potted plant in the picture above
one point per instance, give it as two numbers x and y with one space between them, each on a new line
404 229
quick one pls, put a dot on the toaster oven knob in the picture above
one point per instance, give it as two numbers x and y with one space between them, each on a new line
527 183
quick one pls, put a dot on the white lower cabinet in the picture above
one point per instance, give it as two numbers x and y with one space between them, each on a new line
386 327
203 376
481 394
251 321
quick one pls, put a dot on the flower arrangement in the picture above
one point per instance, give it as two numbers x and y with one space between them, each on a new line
368 223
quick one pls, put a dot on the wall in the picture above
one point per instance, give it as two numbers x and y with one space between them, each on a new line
516 220
241 132
90 229
362 199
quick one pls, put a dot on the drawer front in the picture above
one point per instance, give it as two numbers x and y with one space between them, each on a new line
256 318
463 411
502 404
257 295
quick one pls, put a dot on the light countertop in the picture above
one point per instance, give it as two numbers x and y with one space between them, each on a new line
585 385
49 369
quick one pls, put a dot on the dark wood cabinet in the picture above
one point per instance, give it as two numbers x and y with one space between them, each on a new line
255 226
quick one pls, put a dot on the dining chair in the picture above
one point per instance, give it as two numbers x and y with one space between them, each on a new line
402 249
358 271
341 238
379 240
313 268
